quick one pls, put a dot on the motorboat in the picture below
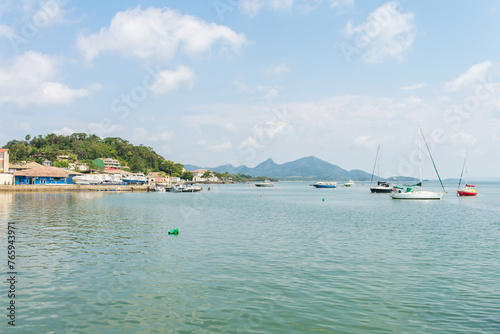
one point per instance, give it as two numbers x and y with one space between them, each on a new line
349 184
327 184
266 183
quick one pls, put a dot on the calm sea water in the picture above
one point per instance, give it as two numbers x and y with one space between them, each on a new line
288 259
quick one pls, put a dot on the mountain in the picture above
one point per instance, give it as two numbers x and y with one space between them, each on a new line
309 168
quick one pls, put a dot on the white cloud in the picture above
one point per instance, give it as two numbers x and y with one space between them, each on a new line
463 138
219 147
281 4
252 7
342 3
262 135
144 135
167 81
30 80
369 143
64 131
25 126
104 128
271 94
414 86
278 69
473 75
386 33
55 93
157 34
5 31
240 86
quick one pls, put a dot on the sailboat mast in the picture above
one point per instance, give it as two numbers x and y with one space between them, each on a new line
378 164
419 157
376 159
466 170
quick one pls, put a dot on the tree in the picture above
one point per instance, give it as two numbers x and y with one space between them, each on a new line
207 174
60 164
187 175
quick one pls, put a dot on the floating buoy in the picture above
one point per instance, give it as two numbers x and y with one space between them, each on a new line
174 231
323 199
260 195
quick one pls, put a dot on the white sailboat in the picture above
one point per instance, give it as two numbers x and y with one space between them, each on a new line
410 192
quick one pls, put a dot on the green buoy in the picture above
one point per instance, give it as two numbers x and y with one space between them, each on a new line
174 231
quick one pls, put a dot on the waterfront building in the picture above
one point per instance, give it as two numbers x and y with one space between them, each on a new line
42 175
4 160
6 179
157 177
198 176
107 164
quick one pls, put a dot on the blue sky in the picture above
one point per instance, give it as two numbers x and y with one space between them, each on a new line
227 81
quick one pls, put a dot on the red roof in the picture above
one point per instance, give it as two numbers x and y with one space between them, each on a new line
3 149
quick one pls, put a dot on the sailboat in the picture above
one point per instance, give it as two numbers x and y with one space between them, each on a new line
410 192
382 186
468 189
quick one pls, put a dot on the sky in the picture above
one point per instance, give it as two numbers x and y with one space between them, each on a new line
236 82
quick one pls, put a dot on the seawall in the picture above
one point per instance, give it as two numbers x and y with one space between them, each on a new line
71 187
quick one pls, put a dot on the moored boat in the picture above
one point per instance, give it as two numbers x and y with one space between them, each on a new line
349 183
266 183
468 190
382 186
410 192
327 184
135 179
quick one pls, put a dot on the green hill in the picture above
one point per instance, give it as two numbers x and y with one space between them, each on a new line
85 148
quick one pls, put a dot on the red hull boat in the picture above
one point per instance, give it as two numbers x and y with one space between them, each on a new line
467 191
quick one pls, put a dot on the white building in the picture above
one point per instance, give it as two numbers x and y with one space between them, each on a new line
198 176
4 160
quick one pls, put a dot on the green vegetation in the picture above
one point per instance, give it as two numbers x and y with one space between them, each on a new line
85 148
242 177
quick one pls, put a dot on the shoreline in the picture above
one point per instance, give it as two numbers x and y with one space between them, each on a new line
73 187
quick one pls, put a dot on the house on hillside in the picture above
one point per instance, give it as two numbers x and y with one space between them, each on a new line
107 164
47 162
42 175
4 160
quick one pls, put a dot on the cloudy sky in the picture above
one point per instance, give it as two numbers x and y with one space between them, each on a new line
239 81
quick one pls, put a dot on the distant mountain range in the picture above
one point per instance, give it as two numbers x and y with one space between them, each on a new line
309 168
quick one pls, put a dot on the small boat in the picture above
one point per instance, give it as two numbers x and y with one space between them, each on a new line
382 186
191 189
180 188
160 189
468 190
349 184
327 184
266 183
418 194
139 178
